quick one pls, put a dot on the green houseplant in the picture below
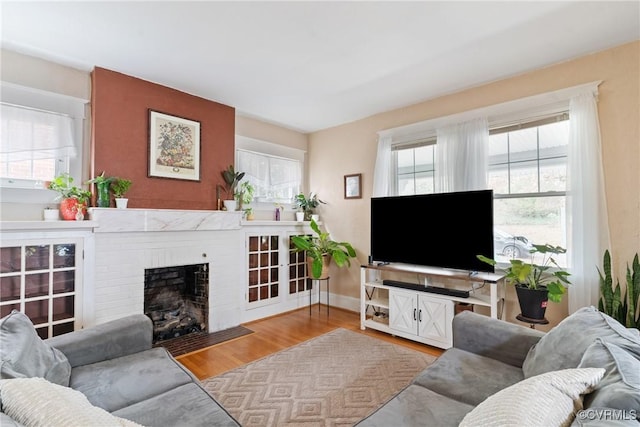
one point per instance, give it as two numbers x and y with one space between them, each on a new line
103 184
120 186
231 179
308 204
624 306
73 200
321 249
244 194
536 283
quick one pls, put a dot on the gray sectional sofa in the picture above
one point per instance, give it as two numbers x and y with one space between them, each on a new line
501 374
112 365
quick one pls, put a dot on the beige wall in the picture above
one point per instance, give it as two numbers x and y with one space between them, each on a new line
351 148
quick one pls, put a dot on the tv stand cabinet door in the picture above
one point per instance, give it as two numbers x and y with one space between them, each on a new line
403 311
435 317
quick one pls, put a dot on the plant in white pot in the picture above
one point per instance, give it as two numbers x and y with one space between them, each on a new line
321 249
120 186
536 283
308 204
231 180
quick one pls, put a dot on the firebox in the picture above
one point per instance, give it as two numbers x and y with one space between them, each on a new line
176 299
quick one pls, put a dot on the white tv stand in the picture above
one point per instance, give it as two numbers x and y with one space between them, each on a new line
416 314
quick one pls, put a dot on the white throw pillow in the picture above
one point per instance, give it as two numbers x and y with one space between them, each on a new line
37 402
549 399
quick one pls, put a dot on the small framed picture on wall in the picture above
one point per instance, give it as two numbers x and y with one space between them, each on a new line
353 186
174 147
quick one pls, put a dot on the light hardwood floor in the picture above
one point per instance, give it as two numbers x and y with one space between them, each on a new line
276 333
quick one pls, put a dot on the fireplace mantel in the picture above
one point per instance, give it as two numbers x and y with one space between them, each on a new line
111 220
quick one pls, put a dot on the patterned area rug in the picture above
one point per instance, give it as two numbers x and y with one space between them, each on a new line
332 380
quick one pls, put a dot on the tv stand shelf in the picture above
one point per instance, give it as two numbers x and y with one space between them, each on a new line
415 313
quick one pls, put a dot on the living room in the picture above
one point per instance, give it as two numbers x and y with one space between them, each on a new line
116 141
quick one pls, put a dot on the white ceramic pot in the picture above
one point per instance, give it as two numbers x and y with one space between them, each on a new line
299 216
121 203
230 205
51 214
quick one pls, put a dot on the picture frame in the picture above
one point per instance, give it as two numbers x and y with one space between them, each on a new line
353 186
174 147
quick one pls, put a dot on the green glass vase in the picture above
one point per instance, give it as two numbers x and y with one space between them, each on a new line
103 200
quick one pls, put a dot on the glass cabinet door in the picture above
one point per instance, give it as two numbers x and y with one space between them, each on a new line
264 269
41 279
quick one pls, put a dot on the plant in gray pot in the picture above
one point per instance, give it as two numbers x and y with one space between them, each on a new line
320 250
536 283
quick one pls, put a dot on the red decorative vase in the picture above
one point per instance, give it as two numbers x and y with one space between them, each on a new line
69 209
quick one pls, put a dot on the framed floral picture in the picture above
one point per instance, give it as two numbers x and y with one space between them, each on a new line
174 147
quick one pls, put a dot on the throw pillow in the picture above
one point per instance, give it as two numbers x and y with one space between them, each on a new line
620 387
563 346
23 354
36 401
550 399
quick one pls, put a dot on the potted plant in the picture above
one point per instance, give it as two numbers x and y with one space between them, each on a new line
103 184
244 194
536 283
320 250
248 214
621 304
231 179
308 204
73 200
120 186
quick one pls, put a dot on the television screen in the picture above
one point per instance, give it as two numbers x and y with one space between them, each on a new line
443 230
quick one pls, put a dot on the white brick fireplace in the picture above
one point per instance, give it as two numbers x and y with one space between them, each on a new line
129 241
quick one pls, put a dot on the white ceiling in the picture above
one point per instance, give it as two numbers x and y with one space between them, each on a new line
312 65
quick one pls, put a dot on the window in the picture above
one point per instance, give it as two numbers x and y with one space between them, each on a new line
528 173
275 171
36 145
415 166
41 136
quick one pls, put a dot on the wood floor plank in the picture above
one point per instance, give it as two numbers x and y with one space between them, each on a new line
279 332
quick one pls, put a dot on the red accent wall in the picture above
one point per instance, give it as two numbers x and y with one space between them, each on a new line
120 138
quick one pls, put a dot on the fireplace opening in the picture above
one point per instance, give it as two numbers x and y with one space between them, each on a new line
176 299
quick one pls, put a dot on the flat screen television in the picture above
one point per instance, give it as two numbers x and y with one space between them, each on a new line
444 230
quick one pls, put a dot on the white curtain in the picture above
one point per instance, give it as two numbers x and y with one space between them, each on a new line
275 179
32 134
382 172
587 226
462 156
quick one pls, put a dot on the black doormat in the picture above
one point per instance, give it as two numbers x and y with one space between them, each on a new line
199 340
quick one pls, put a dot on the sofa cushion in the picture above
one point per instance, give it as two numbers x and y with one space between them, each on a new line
36 401
187 405
116 383
23 354
417 406
620 387
563 346
548 399
467 377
